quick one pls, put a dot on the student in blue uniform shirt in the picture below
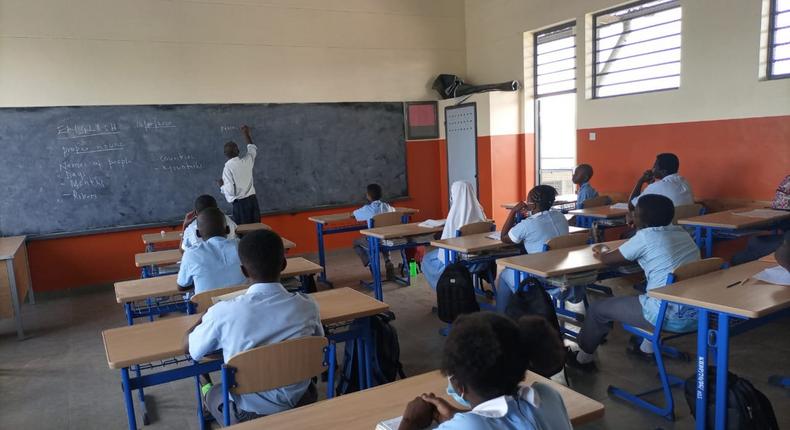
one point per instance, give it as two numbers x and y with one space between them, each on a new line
485 359
659 247
663 179
374 207
189 237
214 261
581 177
464 209
265 314
533 231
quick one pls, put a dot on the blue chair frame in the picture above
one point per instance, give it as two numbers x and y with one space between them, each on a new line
405 277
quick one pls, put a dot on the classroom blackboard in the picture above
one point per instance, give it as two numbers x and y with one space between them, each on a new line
93 168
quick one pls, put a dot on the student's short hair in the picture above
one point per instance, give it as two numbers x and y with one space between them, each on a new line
543 196
490 353
211 222
587 169
262 254
205 201
374 191
668 163
655 210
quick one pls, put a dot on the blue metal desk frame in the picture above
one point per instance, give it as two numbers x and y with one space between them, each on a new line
703 236
320 232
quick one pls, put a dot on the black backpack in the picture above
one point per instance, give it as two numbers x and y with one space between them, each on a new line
747 408
455 293
386 363
532 299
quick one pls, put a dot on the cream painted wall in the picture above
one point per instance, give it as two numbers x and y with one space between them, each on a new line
719 72
84 52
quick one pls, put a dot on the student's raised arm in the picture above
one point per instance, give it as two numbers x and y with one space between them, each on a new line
511 221
637 191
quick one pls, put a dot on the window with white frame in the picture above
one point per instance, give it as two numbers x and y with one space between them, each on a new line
779 40
555 60
636 48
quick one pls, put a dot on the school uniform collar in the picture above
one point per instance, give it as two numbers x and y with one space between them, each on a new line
498 408
671 227
672 177
544 213
217 239
267 288
584 185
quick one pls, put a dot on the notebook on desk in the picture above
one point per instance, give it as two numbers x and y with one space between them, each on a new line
432 223
394 423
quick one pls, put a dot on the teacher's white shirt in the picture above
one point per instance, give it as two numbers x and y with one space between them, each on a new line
237 176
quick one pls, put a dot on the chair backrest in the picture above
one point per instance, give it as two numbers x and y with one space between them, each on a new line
696 268
278 364
687 211
567 241
203 300
385 219
476 228
596 201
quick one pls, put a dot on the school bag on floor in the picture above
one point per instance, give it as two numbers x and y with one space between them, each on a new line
386 366
747 408
532 299
455 293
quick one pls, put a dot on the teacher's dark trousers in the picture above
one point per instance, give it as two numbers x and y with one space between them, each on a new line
246 210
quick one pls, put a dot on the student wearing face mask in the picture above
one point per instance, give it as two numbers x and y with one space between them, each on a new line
485 359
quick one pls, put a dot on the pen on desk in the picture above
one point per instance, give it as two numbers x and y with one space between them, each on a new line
735 284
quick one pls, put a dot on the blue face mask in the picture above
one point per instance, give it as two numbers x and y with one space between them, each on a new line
457 397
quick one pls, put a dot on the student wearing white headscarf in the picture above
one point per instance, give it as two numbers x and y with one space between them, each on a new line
464 209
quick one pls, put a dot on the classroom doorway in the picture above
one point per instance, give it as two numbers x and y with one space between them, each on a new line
460 124
555 125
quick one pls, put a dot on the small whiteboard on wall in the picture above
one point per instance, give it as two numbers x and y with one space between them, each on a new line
461 128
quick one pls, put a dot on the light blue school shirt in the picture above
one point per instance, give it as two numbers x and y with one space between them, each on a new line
659 251
586 192
539 407
535 230
371 209
211 264
265 314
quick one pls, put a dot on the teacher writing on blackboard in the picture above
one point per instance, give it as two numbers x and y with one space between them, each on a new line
237 184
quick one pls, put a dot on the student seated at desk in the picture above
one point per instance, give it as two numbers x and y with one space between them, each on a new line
485 358
190 237
764 244
663 179
374 207
533 231
265 314
659 247
213 262
464 209
581 177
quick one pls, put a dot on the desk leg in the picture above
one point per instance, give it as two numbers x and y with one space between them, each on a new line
702 365
516 278
708 242
375 267
127 307
331 360
698 236
30 294
199 397
321 254
20 332
127 397
722 366
361 375
370 349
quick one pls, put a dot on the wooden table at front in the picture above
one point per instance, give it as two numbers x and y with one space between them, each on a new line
137 347
15 280
725 295
149 262
586 217
376 235
340 223
731 220
162 295
389 401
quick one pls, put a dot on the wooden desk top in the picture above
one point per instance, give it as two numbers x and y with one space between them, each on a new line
169 236
752 299
604 212
770 258
241 229
400 231
729 220
470 244
364 409
172 256
9 245
348 217
557 262
161 286
165 338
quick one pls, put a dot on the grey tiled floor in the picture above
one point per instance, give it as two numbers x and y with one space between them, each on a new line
58 378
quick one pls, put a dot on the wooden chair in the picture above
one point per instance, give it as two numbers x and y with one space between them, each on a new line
688 211
386 219
272 366
475 228
596 201
202 301
567 241
686 271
